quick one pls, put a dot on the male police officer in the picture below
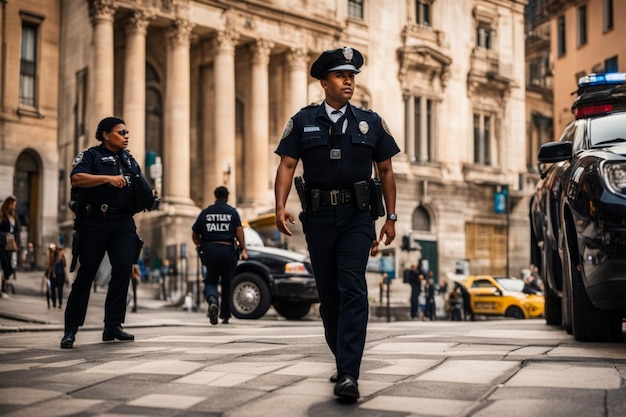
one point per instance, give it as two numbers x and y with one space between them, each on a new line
337 143
107 189
214 233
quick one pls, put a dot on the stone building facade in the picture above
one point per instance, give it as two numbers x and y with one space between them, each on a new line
207 86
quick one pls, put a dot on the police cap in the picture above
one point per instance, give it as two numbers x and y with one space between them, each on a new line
342 59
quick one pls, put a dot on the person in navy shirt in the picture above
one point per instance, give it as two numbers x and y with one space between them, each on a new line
218 235
338 144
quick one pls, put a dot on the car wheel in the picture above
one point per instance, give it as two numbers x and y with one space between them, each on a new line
251 296
552 310
514 312
589 324
566 292
293 311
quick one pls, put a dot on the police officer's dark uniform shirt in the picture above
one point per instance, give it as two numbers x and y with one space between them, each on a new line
307 136
99 160
217 223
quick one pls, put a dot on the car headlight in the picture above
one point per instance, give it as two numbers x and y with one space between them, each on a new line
295 268
614 174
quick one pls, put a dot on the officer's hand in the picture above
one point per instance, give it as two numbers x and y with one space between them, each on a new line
118 181
244 254
388 231
282 217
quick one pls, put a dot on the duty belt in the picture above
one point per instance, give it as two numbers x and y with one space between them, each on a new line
334 197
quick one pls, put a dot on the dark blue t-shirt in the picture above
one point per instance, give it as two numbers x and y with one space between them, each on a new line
217 222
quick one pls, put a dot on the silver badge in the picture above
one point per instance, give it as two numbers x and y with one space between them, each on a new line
348 53
335 154
364 127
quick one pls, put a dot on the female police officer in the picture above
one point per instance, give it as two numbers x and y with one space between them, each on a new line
337 143
105 180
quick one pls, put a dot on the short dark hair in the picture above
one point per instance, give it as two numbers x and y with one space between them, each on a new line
106 125
221 192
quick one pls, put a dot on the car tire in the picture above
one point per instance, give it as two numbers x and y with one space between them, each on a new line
251 297
552 310
292 311
589 324
514 312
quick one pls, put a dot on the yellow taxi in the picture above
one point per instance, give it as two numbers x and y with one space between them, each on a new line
502 296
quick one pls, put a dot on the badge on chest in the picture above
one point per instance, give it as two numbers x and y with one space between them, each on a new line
335 154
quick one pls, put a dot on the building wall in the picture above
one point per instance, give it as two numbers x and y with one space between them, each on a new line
403 59
29 165
580 60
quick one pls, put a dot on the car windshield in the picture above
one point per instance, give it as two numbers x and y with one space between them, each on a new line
511 284
608 130
253 238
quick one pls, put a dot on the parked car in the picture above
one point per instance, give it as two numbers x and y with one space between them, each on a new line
501 296
272 277
578 214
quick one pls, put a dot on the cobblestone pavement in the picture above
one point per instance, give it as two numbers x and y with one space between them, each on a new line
180 365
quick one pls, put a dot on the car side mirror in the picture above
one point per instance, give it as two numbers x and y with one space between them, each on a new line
555 152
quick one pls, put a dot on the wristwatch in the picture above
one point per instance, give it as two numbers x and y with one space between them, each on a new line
392 216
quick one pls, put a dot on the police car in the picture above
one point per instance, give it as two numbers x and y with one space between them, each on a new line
272 277
578 214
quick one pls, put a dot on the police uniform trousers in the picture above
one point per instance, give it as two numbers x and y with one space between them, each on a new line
220 261
339 240
116 235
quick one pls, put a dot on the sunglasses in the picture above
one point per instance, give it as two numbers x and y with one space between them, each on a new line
123 132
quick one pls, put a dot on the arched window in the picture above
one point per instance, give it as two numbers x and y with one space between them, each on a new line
420 220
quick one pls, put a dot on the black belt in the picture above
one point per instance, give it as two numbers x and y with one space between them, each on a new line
220 242
334 197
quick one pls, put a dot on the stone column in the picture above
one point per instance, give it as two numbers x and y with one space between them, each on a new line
256 140
409 143
219 154
297 64
102 89
135 84
176 146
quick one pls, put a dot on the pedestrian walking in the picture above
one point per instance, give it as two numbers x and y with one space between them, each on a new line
108 188
414 281
338 144
55 275
218 235
9 241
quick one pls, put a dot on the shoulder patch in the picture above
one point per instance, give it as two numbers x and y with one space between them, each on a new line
385 127
288 129
77 159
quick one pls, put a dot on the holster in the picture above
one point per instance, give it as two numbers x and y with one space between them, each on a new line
377 208
362 195
303 193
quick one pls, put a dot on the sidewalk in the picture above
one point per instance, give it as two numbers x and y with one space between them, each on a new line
180 365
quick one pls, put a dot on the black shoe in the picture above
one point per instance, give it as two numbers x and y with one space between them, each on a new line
116 332
333 377
134 310
68 339
213 311
224 321
347 388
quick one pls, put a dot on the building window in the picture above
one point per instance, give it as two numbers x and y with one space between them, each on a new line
483 128
484 36
607 13
28 64
582 25
355 9
610 65
560 35
80 108
420 129
422 13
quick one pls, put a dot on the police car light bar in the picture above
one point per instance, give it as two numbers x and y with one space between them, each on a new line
602 79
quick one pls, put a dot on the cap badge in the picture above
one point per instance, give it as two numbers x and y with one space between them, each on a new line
348 53
363 127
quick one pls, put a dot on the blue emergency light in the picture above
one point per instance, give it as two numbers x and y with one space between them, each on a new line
602 79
